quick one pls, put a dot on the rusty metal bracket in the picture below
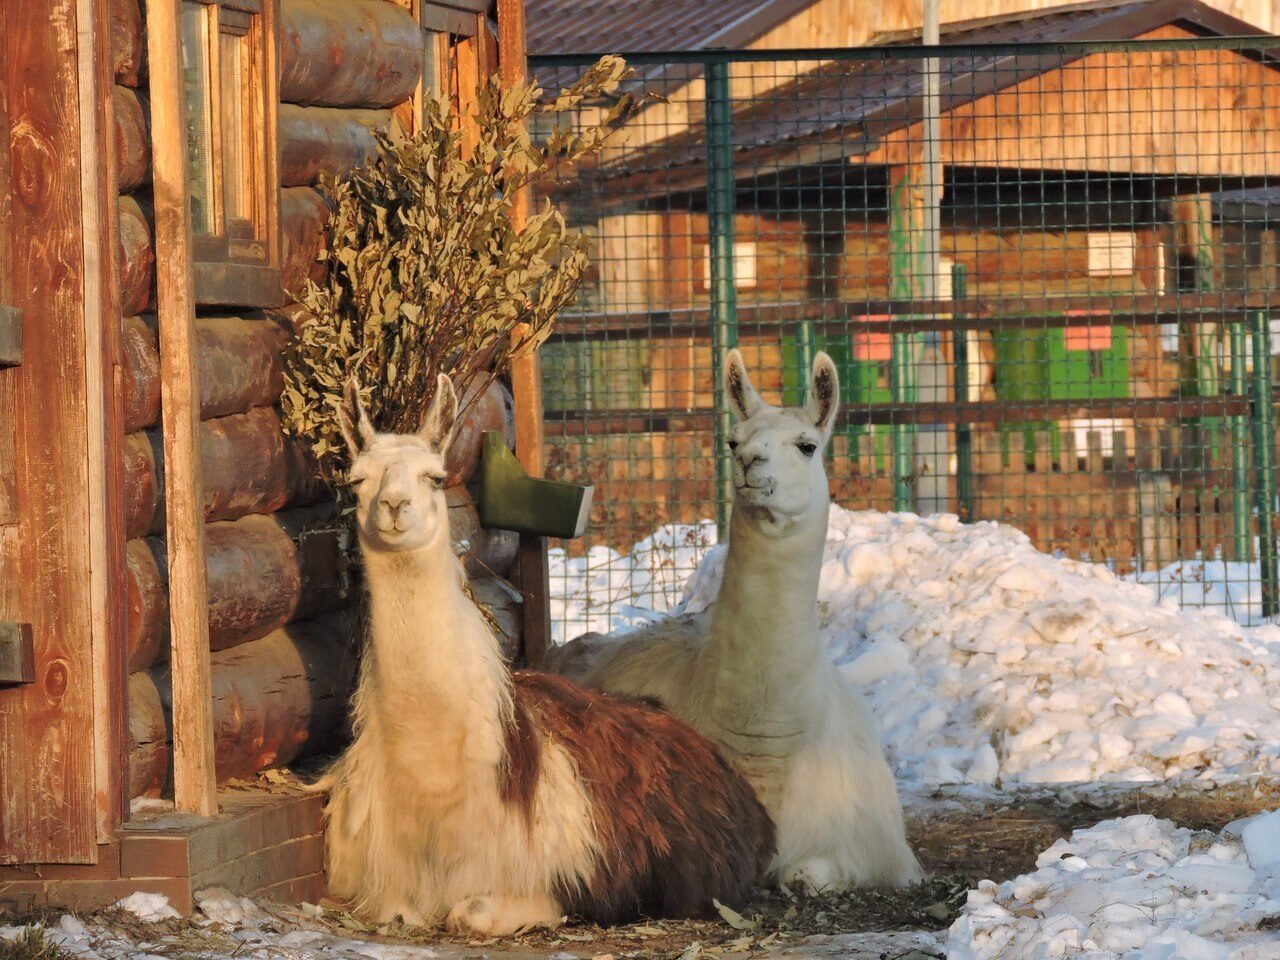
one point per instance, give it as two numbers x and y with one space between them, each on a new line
17 654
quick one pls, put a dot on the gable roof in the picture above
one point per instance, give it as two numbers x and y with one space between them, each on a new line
845 107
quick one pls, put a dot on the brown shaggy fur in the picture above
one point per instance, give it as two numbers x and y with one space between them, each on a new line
677 825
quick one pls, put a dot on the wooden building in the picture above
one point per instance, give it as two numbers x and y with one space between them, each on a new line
1072 186
174 603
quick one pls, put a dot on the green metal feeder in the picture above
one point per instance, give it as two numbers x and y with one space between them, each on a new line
510 499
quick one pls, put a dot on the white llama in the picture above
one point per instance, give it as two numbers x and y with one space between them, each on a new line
751 672
497 801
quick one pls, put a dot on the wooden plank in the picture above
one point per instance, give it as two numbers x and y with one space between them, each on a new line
47 786
105 412
526 379
193 758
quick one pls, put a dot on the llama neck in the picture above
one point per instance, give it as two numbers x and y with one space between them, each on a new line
434 669
766 612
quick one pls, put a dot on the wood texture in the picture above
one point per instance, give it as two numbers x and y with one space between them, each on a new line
492 409
303 214
280 697
135 257
348 53
526 378
133 139
139 374
147 634
149 757
128 49
251 466
240 364
104 412
142 494
193 763
48 803
318 141
239 360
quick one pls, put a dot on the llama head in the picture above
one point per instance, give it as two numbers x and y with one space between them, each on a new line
399 478
778 473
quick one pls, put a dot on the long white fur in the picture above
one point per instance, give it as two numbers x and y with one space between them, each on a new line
751 672
416 825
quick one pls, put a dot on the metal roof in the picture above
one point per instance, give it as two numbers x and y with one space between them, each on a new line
826 113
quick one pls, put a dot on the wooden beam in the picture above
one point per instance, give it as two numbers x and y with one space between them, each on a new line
99 189
526 378
47 769
193 759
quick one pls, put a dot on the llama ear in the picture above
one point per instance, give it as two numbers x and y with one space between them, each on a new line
742 394
353 420
437 427
824 394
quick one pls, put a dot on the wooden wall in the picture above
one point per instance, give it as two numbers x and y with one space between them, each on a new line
280 622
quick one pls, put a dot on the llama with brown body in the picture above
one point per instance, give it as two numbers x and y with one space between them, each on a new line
498 801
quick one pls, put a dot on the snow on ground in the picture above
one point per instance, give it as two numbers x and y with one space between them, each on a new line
1137 888
1230 586
606 591
986 661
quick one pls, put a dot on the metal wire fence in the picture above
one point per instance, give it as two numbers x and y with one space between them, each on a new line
1049 307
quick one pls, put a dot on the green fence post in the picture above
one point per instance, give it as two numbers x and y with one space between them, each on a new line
724 295
1264 461
905 209
1241 540
964 432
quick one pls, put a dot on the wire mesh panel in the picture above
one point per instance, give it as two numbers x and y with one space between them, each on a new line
1049 306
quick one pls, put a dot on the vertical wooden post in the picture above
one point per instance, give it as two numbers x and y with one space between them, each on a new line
1194 217
526 379
105 420
193 771
906 230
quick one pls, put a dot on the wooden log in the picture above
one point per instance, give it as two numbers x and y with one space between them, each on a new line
486 552
147 623
303 214
251 466
502 602
133 139
240 364
280 697
128 51
316 141
139 374
137 258
149 758
254 579
348 53
491 410
142 496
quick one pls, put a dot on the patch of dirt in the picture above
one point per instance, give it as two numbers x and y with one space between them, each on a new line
773 918
989 834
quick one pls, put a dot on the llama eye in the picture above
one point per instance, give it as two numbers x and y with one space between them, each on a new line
434 480
807 448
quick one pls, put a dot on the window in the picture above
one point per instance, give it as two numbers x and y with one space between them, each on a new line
231 148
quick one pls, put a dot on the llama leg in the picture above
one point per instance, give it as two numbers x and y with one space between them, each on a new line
502 916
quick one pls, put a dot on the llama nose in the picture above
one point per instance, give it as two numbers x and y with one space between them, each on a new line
394 503
748 460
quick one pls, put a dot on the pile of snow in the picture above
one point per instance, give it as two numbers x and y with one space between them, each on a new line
607 590
1137 888
987 661
148 907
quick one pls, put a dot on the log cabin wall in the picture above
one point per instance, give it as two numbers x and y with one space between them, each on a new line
281 625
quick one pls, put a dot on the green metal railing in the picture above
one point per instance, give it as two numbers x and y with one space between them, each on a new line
1075 338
